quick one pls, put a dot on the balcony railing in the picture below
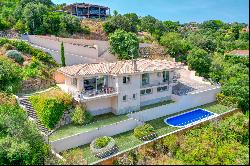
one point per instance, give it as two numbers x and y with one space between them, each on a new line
92 94
155 84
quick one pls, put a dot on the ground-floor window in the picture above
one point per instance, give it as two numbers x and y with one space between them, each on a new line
163 88
146 91
124 98
134 96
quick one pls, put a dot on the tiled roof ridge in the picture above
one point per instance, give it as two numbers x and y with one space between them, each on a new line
119 67
82 66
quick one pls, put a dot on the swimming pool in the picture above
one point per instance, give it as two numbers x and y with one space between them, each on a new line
189 118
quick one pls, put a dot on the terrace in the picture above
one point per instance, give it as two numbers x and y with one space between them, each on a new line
122 139
99 121
185 86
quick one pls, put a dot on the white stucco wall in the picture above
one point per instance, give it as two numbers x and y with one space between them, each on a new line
100 106
182 103
156 96
133 87
87 137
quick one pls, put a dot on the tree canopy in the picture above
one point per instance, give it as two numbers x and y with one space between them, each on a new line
124 44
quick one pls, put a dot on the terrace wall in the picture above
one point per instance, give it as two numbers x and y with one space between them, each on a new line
182 103
86 137
55 44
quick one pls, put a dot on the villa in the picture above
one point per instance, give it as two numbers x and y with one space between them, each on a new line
125 86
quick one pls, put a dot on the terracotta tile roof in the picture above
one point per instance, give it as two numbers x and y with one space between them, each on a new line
240 52
119 67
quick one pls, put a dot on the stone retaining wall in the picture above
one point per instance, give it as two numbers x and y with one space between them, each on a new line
31 85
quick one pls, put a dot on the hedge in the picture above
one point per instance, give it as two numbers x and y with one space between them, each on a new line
49 106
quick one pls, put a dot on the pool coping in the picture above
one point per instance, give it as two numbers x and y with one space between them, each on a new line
193 123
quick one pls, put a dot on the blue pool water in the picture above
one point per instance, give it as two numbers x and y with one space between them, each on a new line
188 118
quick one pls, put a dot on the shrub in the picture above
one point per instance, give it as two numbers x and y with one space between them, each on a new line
50 106
102 141
28 49
8 46
144 131
15 55
10 75
7 99
227 100
21 142
103 147
81 116
35 69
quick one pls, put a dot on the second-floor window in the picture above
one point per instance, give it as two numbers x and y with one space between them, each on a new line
74 82
126 80
145 79
165 75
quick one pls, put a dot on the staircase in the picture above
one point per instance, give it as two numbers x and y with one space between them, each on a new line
32 114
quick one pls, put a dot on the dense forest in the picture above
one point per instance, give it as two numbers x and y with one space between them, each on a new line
205 47
38 17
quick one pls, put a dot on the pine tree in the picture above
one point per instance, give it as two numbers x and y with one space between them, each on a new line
62 55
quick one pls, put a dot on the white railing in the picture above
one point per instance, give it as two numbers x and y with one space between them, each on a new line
155 85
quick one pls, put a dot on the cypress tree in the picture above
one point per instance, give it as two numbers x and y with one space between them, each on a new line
62 55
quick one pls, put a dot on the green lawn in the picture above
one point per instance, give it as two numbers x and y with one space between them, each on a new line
99 121
128 140
156 104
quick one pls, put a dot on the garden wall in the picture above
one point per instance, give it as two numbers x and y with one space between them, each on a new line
31 85
86 137
54 43
182 103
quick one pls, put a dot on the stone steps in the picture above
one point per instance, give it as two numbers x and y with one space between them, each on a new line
32 114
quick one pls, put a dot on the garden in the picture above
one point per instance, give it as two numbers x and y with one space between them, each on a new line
153 128
21 62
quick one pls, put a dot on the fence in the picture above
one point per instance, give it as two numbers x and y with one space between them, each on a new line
182 103
86 137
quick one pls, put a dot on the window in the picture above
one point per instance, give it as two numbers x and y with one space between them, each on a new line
74 82
161 89
126 80
134 96
146 91
165 75
145 78
124 98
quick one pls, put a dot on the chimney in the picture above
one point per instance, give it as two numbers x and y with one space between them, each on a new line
134 65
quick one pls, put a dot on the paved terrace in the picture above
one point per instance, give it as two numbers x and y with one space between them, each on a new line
186 85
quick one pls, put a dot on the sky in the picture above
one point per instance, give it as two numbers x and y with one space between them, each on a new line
178 10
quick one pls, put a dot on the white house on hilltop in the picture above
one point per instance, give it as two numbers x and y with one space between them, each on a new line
124 86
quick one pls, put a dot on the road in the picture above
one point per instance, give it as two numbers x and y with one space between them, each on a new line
70 59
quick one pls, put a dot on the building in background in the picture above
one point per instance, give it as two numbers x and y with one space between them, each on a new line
84 10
